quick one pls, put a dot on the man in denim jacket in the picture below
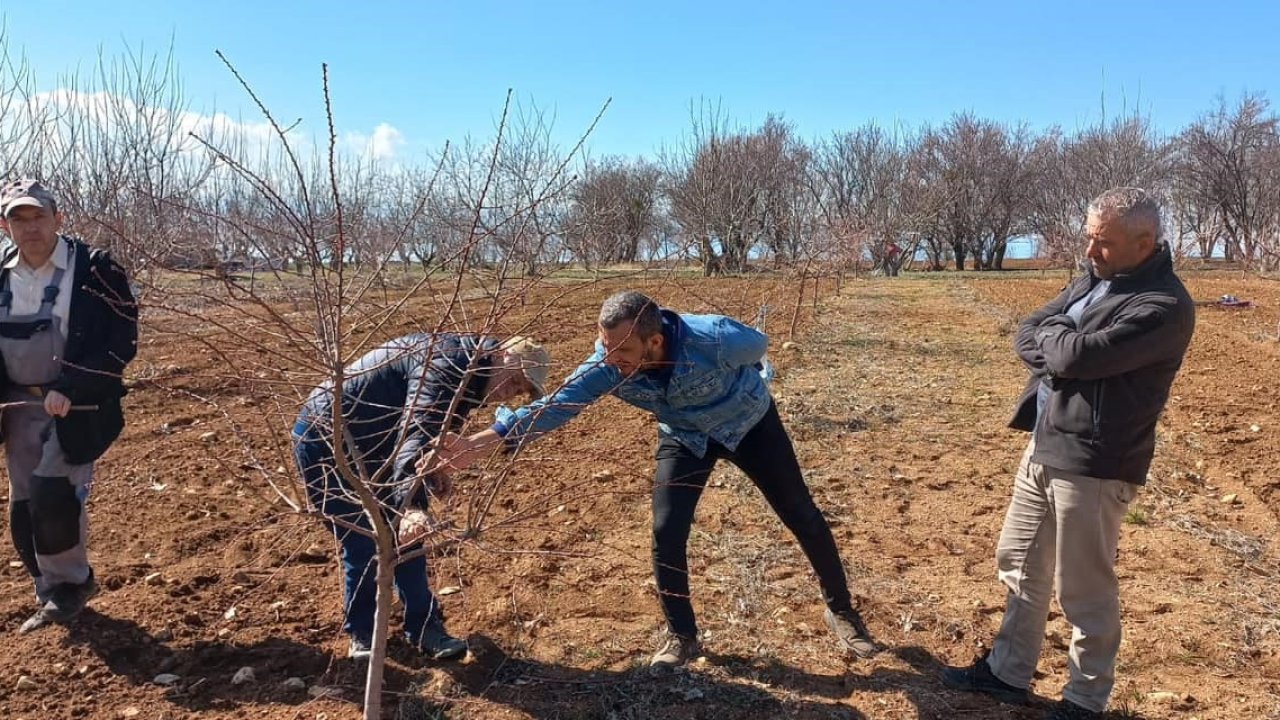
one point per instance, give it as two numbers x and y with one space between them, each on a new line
700 375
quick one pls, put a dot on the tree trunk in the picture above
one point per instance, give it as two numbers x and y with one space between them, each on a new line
710 261
960 251
381 620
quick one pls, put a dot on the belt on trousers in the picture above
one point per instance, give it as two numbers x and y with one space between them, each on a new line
35 390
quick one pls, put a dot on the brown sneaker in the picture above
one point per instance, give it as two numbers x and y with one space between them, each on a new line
851 633
674 653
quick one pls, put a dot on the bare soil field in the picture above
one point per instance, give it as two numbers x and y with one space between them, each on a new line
896 393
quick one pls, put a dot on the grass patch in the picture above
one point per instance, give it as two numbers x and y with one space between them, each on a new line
1137 516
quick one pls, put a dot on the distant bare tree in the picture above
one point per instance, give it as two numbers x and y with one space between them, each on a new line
614 211
784 203
1232 160
731 192
1196 223
124 155
1070 171
1010 174
860 179
20 116
955 163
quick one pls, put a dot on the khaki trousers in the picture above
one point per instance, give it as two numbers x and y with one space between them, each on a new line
1061 529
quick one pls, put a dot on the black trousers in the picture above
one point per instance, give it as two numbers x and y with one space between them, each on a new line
768 458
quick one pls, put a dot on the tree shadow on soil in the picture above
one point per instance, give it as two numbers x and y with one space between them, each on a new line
731 687
920 682
205 668
909 672
727 686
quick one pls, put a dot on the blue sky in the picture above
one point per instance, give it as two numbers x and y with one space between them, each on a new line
437 71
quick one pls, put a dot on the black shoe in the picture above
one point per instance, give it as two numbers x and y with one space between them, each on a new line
1067 710
437 644
979 678
37 621
66 602
71 598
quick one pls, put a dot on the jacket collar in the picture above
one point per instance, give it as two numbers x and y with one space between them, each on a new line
674 332
481 352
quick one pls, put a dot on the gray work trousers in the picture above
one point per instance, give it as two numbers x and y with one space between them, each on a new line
33 454
1062 529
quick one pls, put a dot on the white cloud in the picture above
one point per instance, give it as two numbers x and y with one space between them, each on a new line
386 141
384 144
63 115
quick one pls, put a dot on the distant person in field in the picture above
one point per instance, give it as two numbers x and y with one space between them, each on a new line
68 327
701 376
395 400
1102 357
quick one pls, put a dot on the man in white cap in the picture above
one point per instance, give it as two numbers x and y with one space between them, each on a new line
395 400
68 327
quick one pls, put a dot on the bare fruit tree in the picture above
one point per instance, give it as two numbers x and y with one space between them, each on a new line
1231 161
731 192
861 180
345 300
1071 170
615 213
976 177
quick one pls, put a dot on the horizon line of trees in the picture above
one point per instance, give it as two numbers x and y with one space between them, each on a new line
136 168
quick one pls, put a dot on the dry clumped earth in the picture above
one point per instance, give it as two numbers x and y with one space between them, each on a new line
896 393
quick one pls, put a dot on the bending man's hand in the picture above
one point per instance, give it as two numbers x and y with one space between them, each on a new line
413 525
438 483
459 453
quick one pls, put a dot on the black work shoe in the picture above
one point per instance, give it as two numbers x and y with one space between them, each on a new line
66 602
1067 710
71 598
360 648
851 632
36 621
979 678
437 644
675 652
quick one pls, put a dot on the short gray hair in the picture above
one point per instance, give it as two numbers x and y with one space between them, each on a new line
1132 204
632 306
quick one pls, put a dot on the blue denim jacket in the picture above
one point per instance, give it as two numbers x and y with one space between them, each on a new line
715 389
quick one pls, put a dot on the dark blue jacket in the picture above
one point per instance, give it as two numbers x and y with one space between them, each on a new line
396 400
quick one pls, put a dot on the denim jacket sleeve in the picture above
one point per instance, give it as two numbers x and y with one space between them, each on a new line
740 345
592 380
